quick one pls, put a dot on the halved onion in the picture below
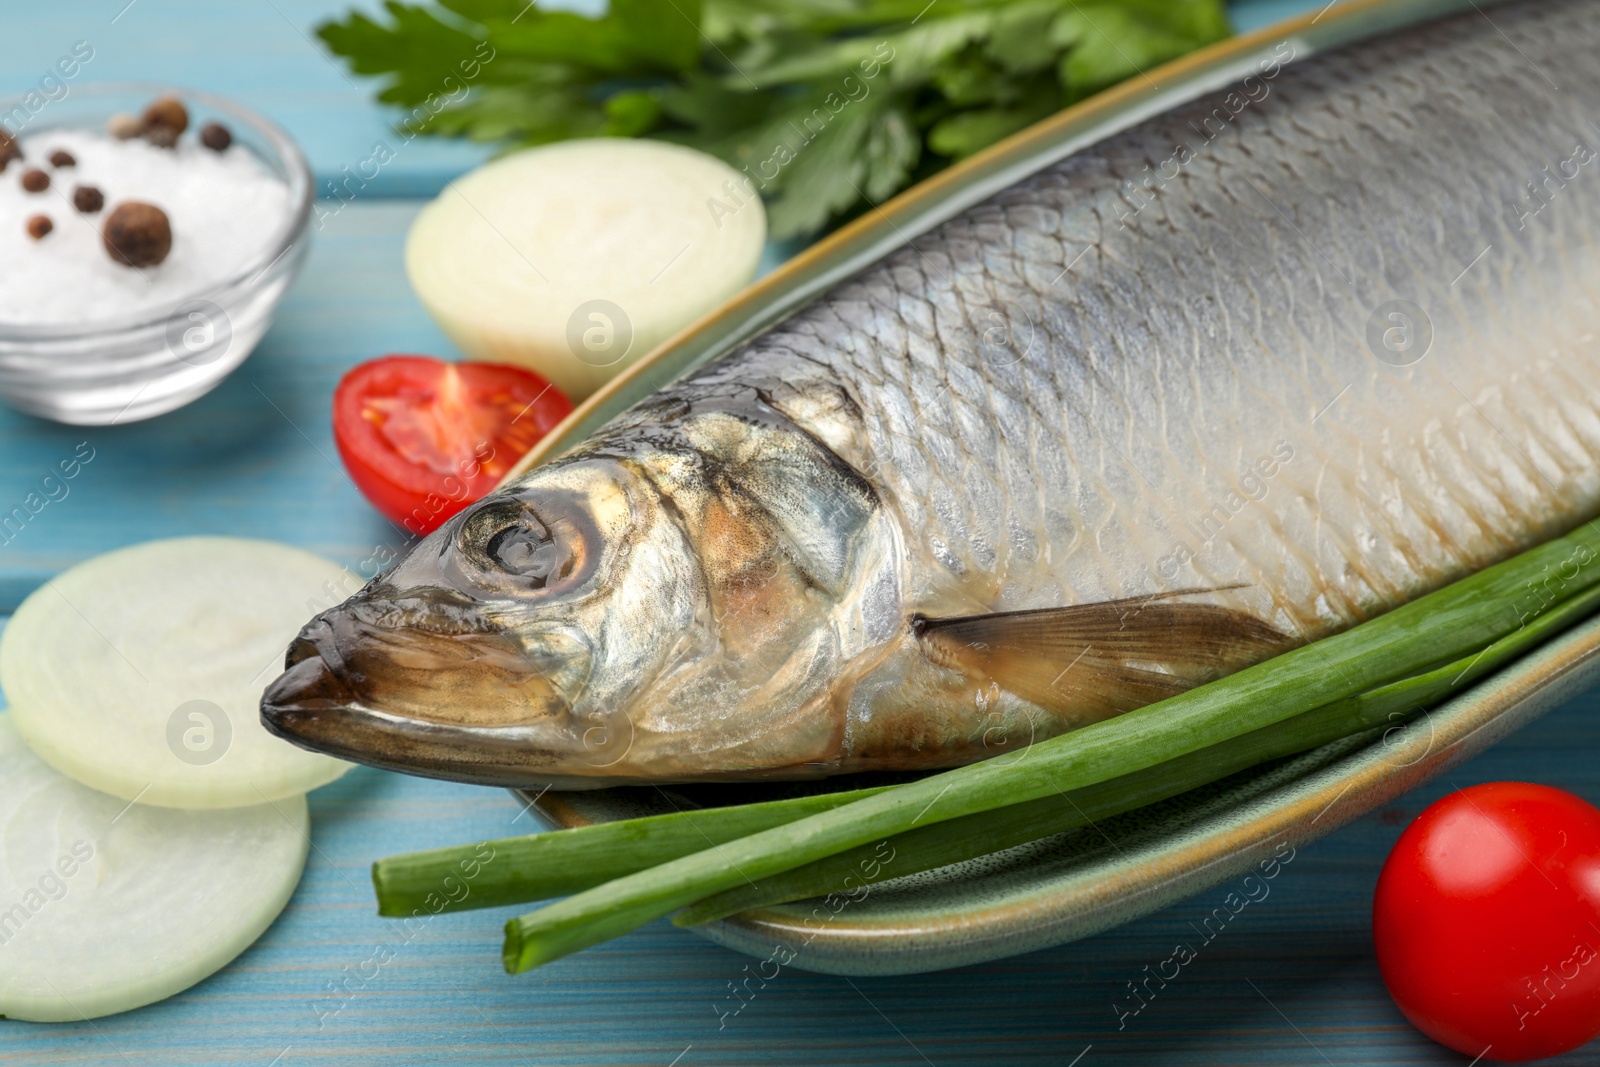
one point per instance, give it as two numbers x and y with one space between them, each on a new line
140 672
575 259
106 905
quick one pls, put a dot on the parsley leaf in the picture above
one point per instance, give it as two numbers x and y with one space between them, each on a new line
828 106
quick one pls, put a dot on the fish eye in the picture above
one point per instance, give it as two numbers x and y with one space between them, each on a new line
517 545
529 550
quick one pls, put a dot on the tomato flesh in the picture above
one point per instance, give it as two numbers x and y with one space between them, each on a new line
1487 921
423 438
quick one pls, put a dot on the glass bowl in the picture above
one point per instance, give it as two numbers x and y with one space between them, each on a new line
143 363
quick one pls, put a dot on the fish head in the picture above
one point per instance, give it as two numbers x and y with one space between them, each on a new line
660 609
504 641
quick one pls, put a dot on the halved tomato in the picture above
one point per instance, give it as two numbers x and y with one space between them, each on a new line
423 438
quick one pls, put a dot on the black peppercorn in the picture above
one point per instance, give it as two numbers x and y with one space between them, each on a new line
88 199
137 234
9 149
35 180
38 226
215 136
62 158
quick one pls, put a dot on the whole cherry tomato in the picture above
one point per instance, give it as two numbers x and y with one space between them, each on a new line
423 438
1487 921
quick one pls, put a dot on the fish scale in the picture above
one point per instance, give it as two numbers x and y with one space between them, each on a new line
1220 321
1123 427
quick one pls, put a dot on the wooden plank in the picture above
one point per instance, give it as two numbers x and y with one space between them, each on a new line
263 54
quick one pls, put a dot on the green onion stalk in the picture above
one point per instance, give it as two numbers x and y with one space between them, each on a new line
516 870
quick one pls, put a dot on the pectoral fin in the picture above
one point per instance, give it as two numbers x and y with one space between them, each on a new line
1092 661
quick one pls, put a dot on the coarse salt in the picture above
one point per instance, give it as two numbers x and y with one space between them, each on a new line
224 208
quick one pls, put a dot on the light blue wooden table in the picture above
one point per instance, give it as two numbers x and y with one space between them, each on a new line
1292 983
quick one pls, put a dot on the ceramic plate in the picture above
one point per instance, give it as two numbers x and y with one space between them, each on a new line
1078 883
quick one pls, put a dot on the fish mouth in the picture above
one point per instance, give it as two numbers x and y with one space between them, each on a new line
490 716
295 710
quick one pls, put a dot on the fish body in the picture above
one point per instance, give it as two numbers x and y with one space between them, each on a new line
1231 380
